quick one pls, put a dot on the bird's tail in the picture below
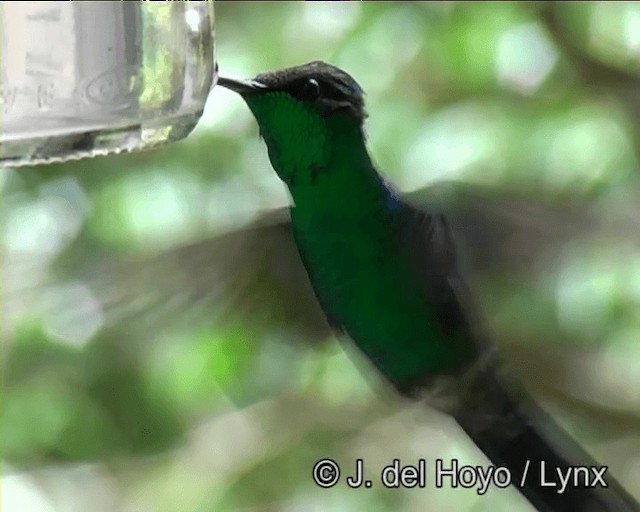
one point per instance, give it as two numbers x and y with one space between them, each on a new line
515 433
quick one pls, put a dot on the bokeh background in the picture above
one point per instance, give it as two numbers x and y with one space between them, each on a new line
113 405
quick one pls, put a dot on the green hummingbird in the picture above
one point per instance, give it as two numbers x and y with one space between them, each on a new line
385 271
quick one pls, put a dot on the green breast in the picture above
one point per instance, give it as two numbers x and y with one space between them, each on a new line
365 285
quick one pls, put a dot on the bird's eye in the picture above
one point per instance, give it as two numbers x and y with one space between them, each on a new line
311 89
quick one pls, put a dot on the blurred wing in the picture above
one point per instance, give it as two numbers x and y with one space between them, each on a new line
515 255
251 276
500 232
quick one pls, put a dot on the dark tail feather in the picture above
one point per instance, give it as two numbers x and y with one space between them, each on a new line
513 432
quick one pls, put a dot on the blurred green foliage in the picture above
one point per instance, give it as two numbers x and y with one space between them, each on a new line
144 414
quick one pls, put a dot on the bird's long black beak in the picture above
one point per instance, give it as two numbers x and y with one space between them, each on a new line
242 87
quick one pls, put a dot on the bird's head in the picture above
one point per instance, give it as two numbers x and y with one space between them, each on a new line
304 113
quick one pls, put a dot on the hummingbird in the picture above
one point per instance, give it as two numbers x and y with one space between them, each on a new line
385 270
